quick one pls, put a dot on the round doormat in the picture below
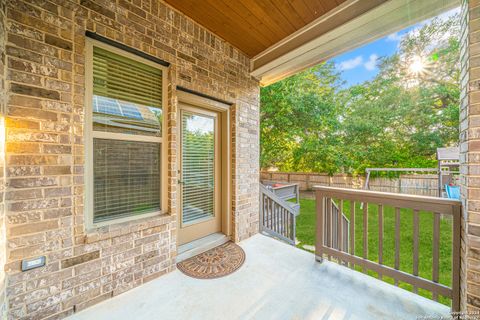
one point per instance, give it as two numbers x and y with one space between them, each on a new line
214 263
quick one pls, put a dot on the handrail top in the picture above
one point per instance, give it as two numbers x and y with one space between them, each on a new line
276 198
403 169
283 184
389 195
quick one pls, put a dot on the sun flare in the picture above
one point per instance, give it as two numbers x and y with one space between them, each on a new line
417 66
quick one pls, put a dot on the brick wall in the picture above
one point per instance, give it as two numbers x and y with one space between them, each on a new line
470 154
45 48
2 158
245 160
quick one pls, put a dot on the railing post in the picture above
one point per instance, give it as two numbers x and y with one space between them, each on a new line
297 188
294 230
320 206
260 225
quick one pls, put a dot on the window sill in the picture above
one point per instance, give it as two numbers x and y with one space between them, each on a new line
111 229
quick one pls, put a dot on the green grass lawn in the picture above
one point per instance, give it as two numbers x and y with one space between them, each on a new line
305 233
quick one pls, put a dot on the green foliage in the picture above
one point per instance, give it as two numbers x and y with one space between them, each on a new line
309 123
299 120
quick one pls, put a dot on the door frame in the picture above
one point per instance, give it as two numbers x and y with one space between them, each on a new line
223 110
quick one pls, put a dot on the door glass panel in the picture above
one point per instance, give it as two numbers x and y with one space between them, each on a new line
198 167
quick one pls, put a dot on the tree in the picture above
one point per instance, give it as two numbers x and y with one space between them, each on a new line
299 121
411 108
398 119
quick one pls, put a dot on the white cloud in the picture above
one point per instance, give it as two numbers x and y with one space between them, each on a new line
371 64
350 63
394 37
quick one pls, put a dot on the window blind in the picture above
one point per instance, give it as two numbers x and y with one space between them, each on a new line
118 77
127 100
198 167
126 178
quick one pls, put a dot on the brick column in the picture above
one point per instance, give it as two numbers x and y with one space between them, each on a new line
470 154
2 162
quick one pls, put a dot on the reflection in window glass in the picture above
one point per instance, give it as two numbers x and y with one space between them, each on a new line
113 115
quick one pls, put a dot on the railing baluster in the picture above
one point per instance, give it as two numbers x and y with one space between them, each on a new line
287 229
270 209
262 211
340 225
265 212
269 220
280 213
415 246
274 210
325 221
352 230
277 217
397 241
329 226
436 250
380 237
272 215
292 226
365 233
334 226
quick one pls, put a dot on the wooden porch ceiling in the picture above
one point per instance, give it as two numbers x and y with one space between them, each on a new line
251 25
283 37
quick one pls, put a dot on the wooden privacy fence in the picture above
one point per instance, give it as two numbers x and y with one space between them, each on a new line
403 206
417 184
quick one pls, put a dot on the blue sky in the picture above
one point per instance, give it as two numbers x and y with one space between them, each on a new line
360 64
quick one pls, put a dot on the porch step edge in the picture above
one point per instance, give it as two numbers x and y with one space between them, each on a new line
196 247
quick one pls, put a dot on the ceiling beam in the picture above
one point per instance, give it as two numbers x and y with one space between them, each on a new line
352 24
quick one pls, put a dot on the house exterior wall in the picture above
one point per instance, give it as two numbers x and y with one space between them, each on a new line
44 158
2 157
470 155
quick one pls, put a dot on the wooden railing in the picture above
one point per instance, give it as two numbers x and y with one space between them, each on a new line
400 207
286 192
277 217
340 241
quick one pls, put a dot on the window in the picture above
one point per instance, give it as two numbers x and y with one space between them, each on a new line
124 132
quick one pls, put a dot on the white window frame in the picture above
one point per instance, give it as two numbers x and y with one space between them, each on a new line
90 135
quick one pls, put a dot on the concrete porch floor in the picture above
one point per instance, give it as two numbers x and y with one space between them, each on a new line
277 281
